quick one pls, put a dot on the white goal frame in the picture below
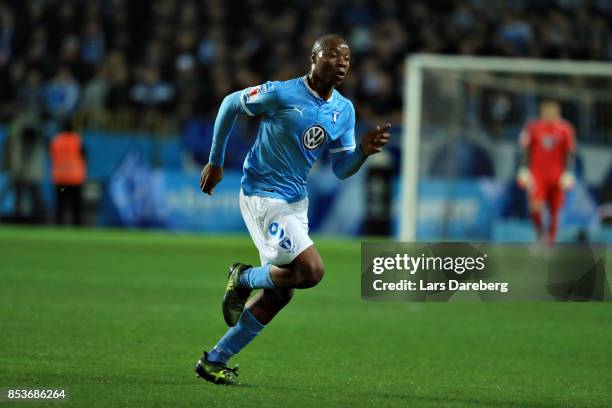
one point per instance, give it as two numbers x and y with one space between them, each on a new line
415 64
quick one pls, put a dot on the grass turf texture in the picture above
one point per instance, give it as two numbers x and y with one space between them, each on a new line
119 318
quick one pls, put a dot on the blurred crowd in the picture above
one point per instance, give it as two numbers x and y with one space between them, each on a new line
156 63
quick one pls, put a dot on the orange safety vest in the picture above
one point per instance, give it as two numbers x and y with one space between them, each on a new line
67 161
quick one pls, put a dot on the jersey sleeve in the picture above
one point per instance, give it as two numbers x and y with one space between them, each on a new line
346 141
257 100
570 139
525 136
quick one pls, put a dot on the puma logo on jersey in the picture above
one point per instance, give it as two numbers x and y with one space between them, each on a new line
298 110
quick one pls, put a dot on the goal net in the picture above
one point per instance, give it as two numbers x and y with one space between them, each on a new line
462 119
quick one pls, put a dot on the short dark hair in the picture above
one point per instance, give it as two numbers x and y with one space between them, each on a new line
549 101
323 42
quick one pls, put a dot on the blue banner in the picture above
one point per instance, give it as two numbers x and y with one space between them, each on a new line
457 209
185 207
462 209
142 197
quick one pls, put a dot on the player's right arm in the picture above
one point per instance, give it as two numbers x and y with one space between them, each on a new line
523 176
250 101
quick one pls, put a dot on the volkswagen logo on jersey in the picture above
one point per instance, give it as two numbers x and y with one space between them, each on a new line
313 137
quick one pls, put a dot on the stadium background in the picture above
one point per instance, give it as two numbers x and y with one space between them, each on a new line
119 317
143 81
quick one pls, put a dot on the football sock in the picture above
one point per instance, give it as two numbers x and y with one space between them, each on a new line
235 338
536 218
553 227
257 278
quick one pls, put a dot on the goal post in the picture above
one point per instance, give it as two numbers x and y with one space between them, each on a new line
519 76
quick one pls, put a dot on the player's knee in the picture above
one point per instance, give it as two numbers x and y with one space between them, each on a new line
311 274
535 206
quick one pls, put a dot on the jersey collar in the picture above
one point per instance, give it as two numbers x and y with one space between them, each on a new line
314 93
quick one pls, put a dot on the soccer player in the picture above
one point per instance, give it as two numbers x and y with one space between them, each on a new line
547 167
300 118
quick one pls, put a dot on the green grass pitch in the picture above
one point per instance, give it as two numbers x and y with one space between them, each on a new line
120 318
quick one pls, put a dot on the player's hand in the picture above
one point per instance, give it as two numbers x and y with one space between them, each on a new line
210 176
567 180
374 140
524 179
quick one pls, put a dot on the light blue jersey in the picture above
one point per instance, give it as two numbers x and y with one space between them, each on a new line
296 126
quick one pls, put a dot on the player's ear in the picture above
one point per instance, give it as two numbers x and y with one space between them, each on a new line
313 57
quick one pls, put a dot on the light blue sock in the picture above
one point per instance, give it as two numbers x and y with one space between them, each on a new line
235 338
257 278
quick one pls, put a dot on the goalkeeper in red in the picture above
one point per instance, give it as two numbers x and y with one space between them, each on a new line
547 166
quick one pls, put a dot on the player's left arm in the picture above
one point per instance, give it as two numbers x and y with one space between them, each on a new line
348 162
568 180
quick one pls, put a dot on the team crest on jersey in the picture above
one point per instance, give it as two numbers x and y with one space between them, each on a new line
548 142
313 137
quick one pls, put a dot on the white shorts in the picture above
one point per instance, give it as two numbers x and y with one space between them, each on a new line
278 229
